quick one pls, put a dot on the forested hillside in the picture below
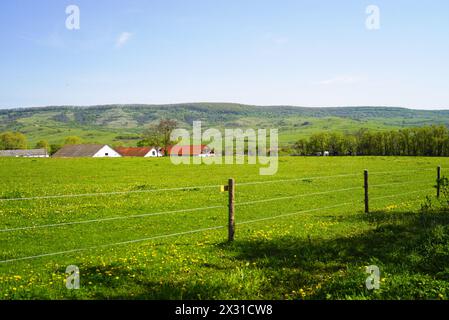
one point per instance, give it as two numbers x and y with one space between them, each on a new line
123 124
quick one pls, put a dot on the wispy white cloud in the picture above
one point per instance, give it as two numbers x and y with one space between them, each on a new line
122 39
345 79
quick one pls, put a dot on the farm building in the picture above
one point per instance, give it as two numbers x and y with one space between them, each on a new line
196 151
86 151
31 153
139 151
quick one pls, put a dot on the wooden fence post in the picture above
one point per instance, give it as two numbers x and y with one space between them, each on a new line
438 180
231 222
366 191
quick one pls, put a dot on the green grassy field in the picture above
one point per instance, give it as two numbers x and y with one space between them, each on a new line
300 234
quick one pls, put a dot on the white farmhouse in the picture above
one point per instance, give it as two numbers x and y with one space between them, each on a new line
28 153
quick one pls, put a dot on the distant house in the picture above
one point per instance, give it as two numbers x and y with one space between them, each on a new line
86 151
195 151
139 152
31 153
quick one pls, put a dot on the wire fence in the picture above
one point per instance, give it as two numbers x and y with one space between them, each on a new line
199 187
230 207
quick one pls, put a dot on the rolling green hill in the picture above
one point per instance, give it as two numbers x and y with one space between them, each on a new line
123 124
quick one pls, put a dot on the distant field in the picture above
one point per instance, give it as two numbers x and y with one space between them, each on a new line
303 237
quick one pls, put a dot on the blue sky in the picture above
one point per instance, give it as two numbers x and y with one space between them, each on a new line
266 52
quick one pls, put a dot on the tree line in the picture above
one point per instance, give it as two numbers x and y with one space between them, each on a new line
16 140
419 141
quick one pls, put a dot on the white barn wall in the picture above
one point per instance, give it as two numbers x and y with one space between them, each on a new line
153 153
107 150
46 156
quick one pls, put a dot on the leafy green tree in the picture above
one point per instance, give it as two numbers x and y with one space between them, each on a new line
301 147
319 142
73 140
43 144
12 141
54 148
424 141
336 145
350 145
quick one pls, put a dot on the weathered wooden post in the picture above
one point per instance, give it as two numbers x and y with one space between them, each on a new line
438 180
366 191
231 227
230 188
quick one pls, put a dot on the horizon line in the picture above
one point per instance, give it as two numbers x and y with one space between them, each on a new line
217 103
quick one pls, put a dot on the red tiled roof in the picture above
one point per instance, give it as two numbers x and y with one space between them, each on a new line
133 151
189 150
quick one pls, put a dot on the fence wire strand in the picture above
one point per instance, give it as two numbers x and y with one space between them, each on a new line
111 244
401 194
62 224
296 196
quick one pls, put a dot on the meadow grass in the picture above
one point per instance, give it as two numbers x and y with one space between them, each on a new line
305 238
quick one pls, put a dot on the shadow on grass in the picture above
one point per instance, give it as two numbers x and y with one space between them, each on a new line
411 247
139 288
